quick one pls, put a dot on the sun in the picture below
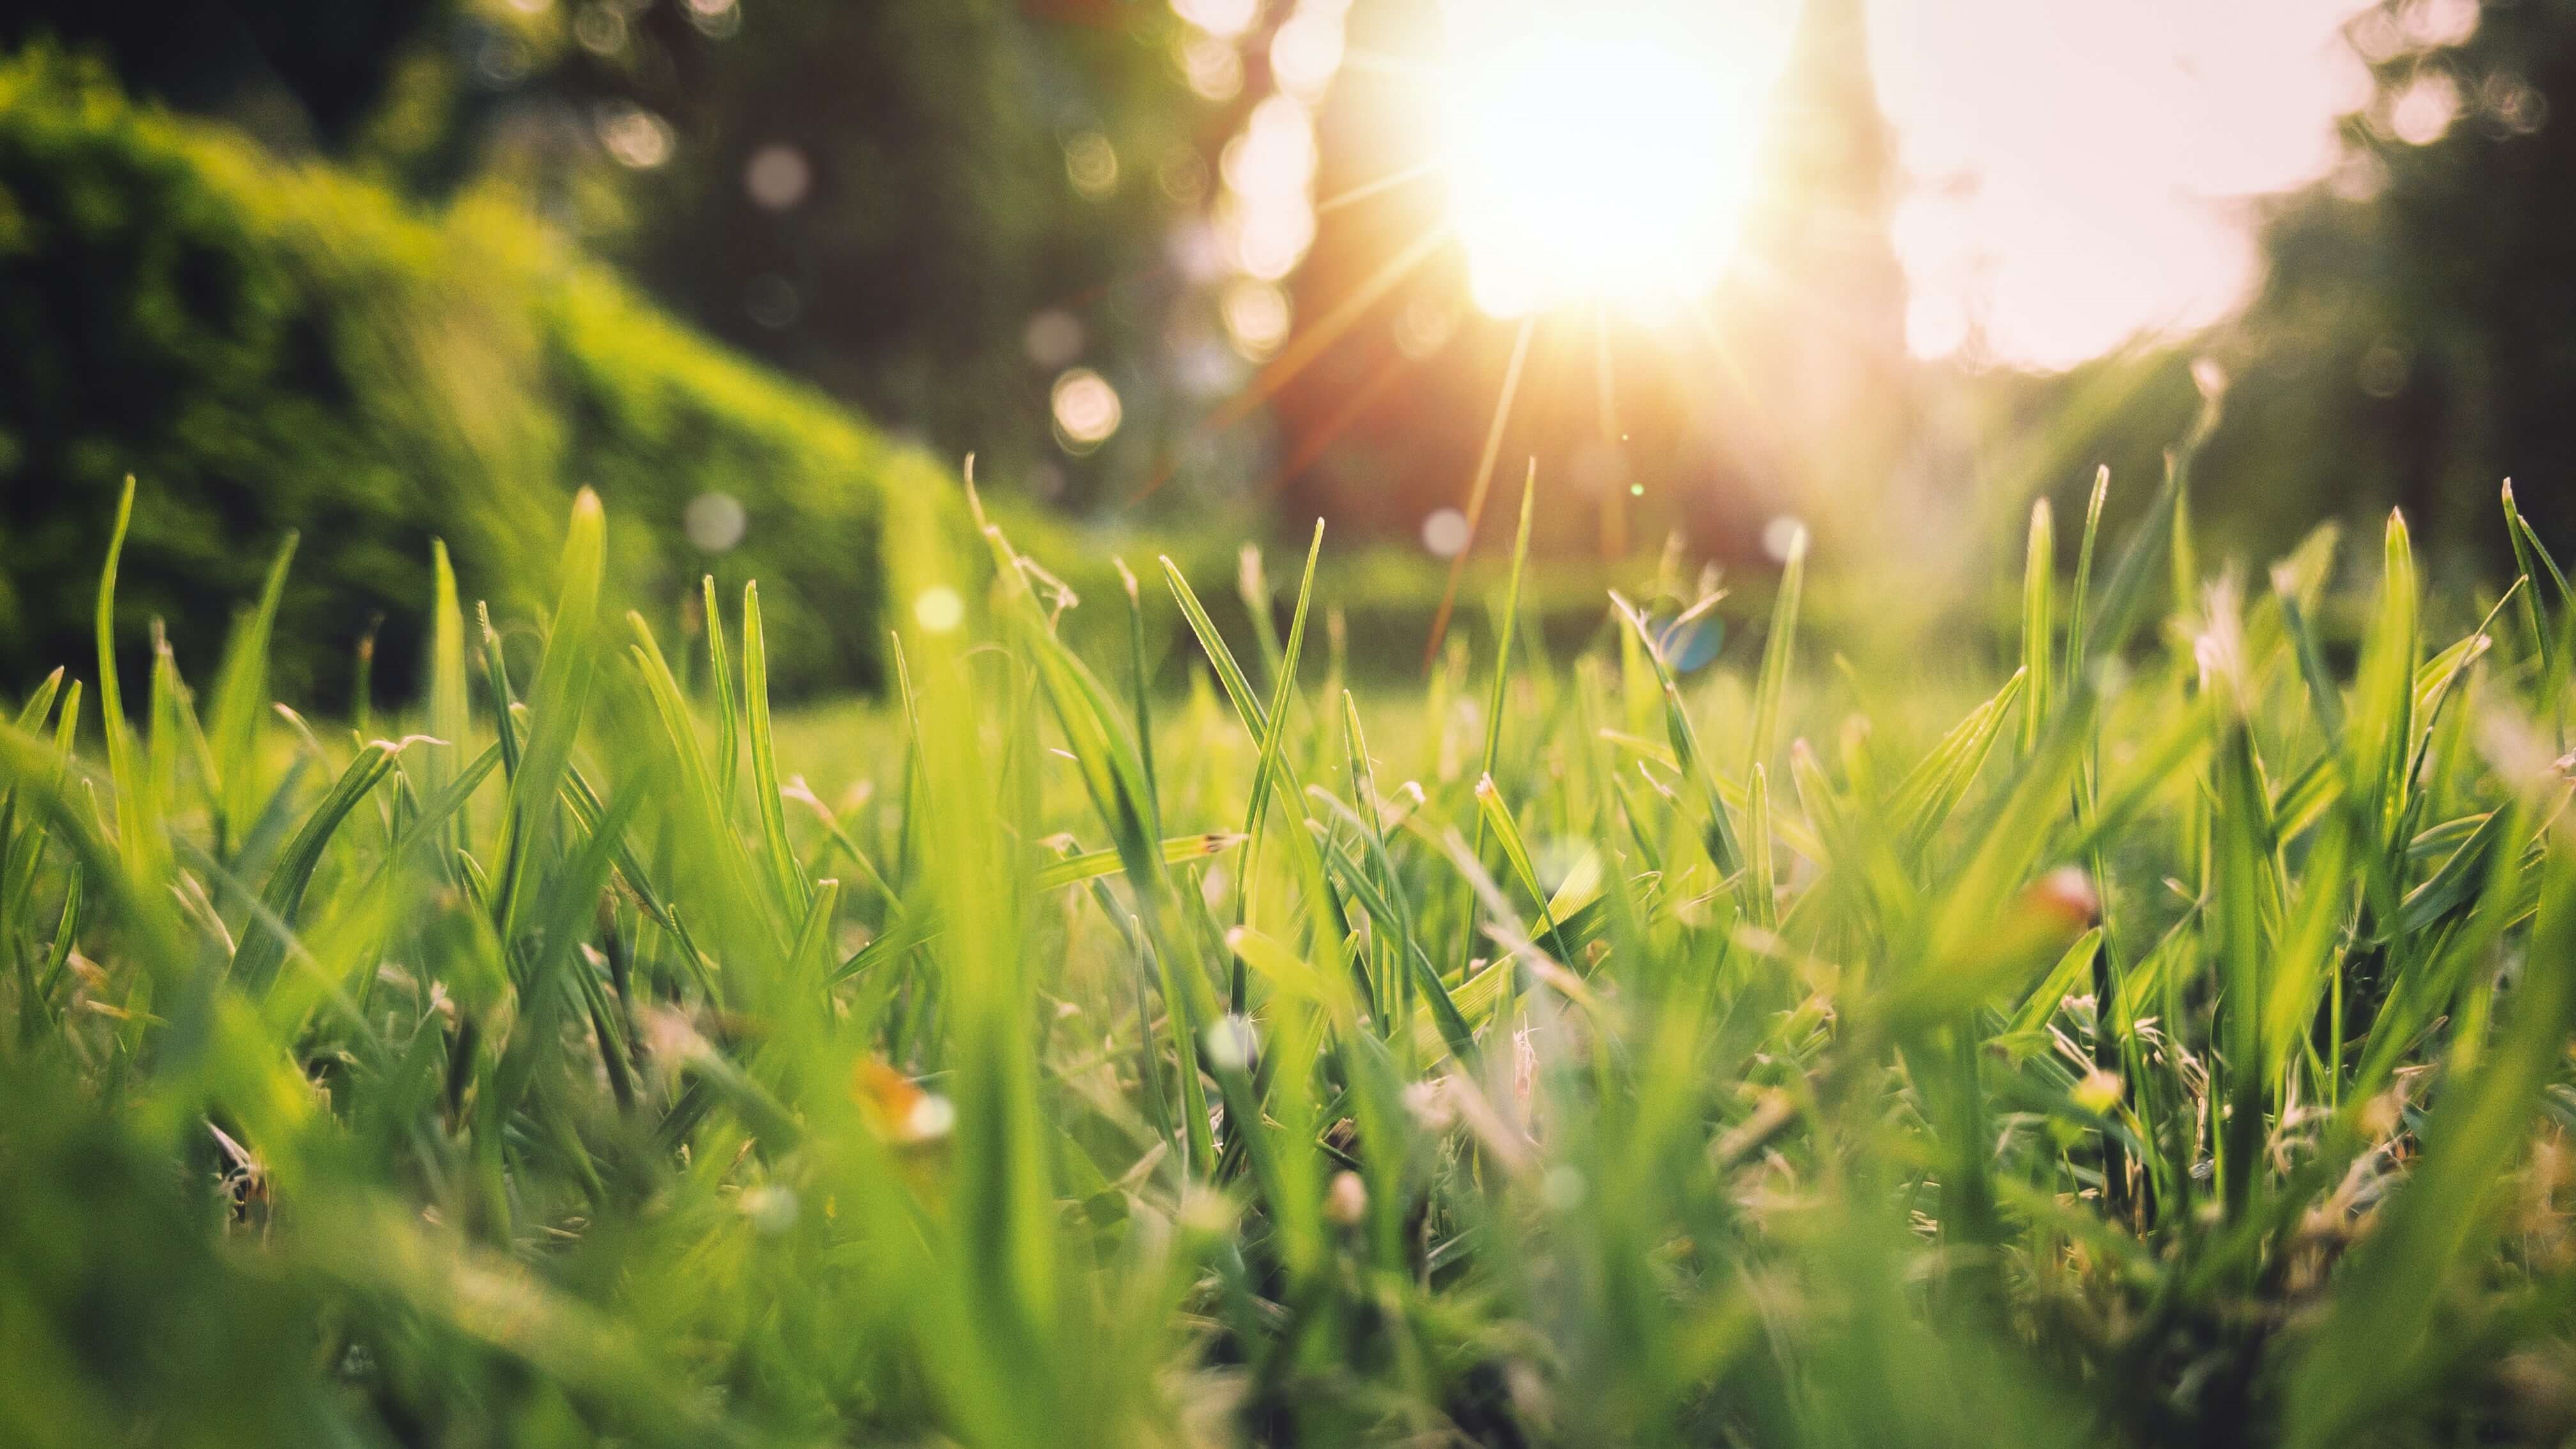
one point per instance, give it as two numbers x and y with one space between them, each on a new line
1597 151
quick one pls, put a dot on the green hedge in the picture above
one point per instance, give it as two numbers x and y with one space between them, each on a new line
271 347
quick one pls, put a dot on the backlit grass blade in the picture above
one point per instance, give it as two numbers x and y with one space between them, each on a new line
1989 927
1506 628
2128 594
1238 689
507 727
1252 586
1931 792
2551 643
2081 597
2247 901
1761 874
1718 832
1256 722
1268 764
546 992
171 737
1778 650
139 835
2456 881
556 702
720 662
262 947
2038 625
1091 865
448 716
1139 677
1388 982
1390 914
698 808
786 872
2301 968
2437 683
1286 971
40 702
2382 733
810 959
241 700
2050 995
2377 1342
1489 802
2528 549
1007 1268
2323 696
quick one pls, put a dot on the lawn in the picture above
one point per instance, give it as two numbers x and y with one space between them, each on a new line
2146 1027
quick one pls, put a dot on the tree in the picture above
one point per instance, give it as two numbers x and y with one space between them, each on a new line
331 57
2415 341
882 197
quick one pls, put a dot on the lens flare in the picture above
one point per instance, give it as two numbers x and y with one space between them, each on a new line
1604 151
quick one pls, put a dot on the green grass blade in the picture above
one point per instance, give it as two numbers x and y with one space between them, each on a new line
2082 595
2377 1343
2382 733
1778 651
1507 831
2128 594
557 701
449 716
1507 627
1718 832
720 661
2246 902
1140 679
786 872
1761 873
2038 625
139 836
1091 865
1269 763
1238 689
263 946
2323 696
241 701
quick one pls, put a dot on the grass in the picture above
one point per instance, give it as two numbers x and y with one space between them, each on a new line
2164 1043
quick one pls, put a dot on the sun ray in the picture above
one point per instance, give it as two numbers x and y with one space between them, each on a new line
1755 437
1312 445
1483 482
1367 189
1614 501
1303 349
1367 60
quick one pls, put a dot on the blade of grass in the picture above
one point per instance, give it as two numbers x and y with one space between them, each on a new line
139 837
2038 624
1778 650
786 873
241 700
556 702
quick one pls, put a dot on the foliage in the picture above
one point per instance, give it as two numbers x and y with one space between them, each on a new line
2169 1049
328 60
267 346
928 213
2410 346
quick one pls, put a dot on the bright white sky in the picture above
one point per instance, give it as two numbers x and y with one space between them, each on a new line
2079 166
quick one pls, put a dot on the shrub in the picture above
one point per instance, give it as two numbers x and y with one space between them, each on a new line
269 346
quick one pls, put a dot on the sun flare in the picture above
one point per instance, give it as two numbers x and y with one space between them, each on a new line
1604 151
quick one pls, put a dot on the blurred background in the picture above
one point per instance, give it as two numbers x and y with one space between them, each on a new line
1186 272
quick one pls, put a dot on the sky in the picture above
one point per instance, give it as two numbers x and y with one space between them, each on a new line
2077 173
2079 170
